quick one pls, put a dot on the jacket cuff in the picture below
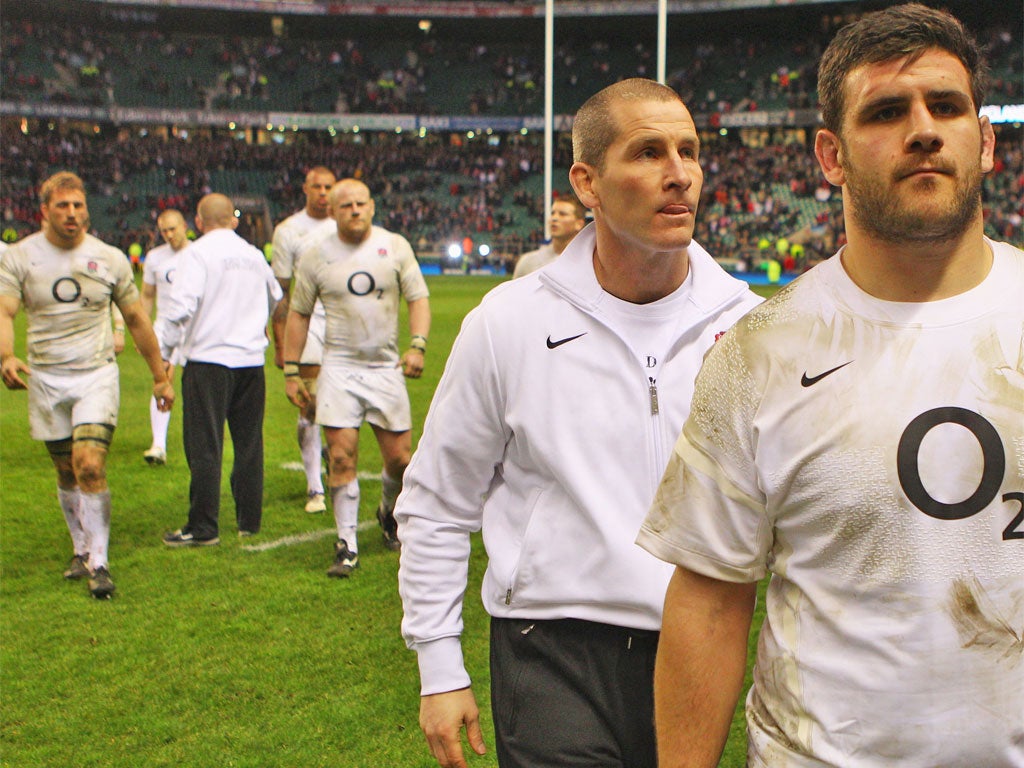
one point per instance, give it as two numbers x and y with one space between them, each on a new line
441 666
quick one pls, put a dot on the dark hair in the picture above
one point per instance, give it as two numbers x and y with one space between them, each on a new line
892 33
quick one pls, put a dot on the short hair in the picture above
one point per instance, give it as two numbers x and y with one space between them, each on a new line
594 128
319 170
61 180
216 210
169 213
579 209
893 33
340 185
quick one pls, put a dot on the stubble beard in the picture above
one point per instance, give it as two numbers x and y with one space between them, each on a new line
877 208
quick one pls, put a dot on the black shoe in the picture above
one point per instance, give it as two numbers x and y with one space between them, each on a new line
388 528
179 538
78 568
345 560
100 584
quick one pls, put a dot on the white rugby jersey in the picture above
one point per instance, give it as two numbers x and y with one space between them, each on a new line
291 237
158 270
67 295
360 287
870 456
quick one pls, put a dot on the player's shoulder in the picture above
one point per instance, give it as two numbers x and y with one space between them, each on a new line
93 246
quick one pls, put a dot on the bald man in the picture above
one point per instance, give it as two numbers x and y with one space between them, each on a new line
359 272
216 322
158 272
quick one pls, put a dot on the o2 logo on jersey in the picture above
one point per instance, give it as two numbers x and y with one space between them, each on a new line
66 290
363 284
169 277
993 467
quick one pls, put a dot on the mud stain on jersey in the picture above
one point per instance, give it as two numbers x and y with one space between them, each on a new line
981 625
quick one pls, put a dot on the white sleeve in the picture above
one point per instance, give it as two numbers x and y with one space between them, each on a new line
710 514
463 441
182 303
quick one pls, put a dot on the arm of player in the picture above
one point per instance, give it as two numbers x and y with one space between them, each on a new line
118 319
146 342
295 332
279 319
148 299
698 675
10 366
442 717
419 331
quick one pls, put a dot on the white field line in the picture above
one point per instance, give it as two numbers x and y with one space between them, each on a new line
296 466
302 538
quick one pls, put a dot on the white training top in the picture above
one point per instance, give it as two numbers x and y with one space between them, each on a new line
67 295
870 456
360 287
223 295
531 261
158 270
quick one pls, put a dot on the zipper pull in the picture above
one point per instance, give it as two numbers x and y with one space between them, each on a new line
653 391
508 596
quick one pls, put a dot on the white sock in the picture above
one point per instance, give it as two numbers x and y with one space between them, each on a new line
390 488
96 522
345 502
158 421
70 500
311 447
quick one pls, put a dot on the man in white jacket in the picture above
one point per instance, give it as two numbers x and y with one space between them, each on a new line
550 430
216 321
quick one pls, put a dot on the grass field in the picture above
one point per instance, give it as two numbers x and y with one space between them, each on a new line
237 655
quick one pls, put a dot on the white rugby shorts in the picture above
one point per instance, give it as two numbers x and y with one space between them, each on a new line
346 397
60 401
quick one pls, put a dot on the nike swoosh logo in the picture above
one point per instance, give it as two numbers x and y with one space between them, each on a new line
566 340
808 381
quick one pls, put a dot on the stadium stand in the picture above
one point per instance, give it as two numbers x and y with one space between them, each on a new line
761 180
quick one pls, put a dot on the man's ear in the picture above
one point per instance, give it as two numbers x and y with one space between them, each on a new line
988 145
234 222
829 152
582 176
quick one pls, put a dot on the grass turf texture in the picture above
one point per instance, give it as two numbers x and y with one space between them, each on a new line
234 655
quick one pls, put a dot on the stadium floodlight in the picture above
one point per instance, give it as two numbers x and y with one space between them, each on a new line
454 251
484 249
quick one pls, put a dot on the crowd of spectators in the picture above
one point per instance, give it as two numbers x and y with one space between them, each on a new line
442 188
716 72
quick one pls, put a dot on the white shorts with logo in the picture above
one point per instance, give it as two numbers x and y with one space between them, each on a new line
58 402
346 397
313 352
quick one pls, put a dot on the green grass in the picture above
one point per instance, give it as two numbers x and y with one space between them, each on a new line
223 656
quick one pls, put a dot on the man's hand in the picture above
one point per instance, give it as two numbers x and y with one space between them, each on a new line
163 391
296 391
412 363
118 341
10 368
442 717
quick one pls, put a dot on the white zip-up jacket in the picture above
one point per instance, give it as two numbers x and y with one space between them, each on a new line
550 432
